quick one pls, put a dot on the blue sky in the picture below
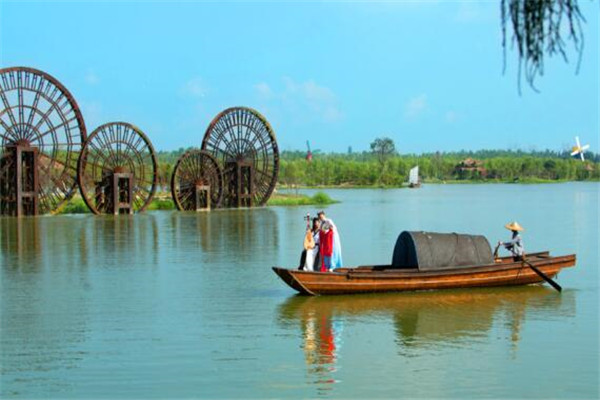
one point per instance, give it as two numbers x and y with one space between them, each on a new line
427 74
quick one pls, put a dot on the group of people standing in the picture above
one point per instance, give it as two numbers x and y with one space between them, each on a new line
322 246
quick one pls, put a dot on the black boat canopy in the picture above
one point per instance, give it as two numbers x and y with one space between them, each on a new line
434 251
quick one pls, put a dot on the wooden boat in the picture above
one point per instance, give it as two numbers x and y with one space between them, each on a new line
386 278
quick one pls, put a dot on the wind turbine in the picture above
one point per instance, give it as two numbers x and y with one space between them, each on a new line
578 149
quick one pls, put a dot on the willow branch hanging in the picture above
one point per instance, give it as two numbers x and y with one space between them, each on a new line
540 28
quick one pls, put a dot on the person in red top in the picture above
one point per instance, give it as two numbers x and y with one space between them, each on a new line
326 246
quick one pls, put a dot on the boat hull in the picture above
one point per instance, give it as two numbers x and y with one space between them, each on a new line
379 279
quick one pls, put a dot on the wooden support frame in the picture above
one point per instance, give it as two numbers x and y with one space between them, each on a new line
21 191
202 197
241 184
114 194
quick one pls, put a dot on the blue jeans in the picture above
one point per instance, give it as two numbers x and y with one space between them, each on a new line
327 262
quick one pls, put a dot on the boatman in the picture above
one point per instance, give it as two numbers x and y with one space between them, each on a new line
515 245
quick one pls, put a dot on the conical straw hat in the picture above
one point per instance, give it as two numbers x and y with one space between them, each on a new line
514 226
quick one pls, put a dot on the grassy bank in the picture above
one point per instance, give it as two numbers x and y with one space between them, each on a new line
164 202
319 198
77 205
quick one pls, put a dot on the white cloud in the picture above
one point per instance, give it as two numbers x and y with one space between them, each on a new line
195 87
415 106
450 117
305 100
264 90
314 92
91 78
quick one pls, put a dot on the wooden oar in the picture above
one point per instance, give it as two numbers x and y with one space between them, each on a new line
544 276
537 271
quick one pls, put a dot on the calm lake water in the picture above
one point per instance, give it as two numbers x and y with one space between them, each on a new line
172 305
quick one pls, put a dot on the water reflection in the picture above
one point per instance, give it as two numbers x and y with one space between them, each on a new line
421 320
56 272
459 317
119 240
20 240
223 230
322 343
74 241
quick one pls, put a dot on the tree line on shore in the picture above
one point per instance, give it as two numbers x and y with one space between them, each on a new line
374 168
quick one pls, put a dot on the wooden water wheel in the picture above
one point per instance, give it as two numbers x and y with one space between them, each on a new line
117 170
41 134
244 144
197 182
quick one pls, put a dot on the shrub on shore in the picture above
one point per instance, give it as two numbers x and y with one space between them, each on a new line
319 198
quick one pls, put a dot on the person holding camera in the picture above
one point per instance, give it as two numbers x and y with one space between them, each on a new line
310 255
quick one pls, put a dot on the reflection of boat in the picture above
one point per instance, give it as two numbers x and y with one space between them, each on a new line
384 278
428 261
427 317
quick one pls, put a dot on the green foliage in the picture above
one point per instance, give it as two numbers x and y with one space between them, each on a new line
383 148
364 169
75 206
161 204
319 198
322 198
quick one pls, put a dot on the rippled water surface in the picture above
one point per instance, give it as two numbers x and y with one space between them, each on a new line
168 304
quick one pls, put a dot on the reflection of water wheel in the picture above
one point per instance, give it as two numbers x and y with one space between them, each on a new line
41 134
117 170
197 181
244 144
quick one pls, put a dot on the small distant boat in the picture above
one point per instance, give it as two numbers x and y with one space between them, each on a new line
413 178
430 261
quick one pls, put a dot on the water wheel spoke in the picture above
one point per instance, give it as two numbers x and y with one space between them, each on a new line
6 104
52 130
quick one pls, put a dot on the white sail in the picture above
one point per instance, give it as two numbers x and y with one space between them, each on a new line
413 177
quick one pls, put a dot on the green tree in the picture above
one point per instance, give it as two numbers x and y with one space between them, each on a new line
165 169
383 148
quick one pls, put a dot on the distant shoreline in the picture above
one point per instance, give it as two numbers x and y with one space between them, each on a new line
437 182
